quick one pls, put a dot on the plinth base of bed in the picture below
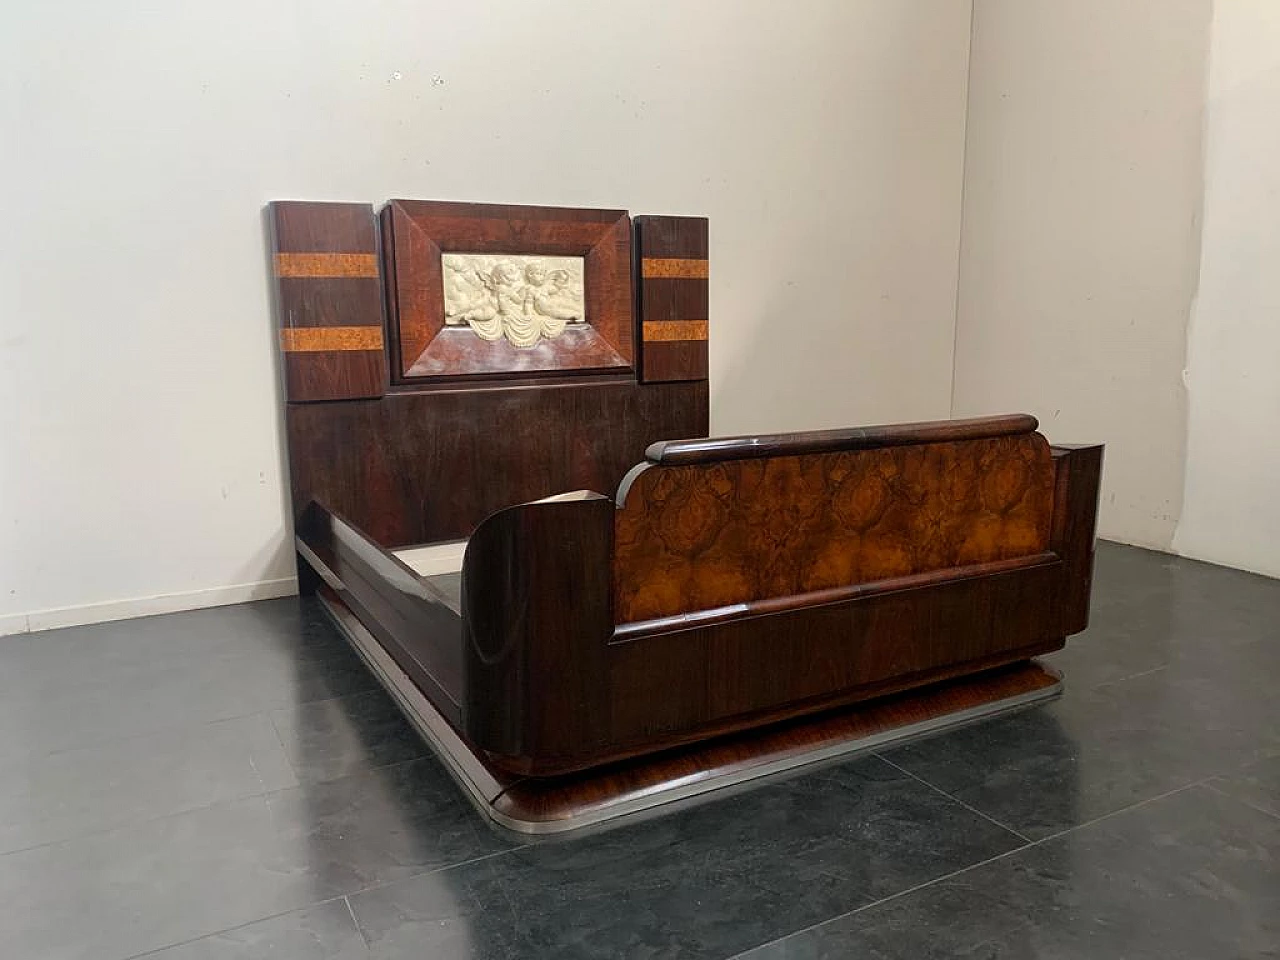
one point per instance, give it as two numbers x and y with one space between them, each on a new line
541 805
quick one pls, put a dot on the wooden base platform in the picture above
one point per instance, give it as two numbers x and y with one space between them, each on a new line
556 805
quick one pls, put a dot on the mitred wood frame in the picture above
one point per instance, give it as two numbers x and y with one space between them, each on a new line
417 232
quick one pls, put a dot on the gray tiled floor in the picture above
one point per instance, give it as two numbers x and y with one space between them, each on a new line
232 784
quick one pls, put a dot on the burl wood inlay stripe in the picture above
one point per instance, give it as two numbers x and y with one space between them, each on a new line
673 268
655 330
326 339
326 265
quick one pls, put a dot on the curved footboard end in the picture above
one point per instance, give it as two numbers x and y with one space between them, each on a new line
537 617
1077 487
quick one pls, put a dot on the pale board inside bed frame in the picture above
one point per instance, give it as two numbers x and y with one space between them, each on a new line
440 565
433 559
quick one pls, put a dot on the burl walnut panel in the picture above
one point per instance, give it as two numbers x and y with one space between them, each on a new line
709 535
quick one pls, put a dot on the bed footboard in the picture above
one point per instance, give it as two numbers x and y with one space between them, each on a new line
748 581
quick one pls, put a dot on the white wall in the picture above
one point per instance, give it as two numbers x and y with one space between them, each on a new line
138 400
1079 245
1231 512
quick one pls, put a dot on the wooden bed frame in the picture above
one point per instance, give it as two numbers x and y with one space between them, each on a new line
739 607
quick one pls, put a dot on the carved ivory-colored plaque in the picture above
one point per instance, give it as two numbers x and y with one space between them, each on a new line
510 296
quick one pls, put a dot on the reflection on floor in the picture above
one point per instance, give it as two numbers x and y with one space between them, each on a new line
231 784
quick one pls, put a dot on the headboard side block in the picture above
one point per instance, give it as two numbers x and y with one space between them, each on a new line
673 297
328 300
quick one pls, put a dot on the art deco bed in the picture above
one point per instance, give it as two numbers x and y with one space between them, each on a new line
504 494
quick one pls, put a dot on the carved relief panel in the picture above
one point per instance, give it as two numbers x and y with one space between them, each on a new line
521 299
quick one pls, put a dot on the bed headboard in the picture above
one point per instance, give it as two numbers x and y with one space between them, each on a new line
444 360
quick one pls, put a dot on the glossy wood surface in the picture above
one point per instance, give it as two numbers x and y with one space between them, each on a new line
716 449
708 535
1079 479
426 465
328 300
616 786
550 686
738 583
535 602
415 625
416 232
673 297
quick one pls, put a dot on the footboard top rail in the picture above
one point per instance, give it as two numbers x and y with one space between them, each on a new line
713 450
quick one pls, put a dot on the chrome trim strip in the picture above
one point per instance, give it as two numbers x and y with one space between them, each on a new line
444 742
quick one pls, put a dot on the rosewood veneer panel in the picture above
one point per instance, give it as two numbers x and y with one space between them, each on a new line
415 467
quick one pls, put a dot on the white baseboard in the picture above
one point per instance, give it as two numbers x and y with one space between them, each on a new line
146 606
17 623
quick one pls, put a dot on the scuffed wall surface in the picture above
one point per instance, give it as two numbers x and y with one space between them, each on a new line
1231 513
1079 250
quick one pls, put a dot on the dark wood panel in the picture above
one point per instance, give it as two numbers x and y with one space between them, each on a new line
330 302
669 360
690 684
537 627
421 466
707 535
672 298
716 449
1079 480
302 226
579 796
329 375
325 257
659 236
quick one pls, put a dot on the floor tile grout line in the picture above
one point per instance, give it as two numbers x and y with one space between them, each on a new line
1133 806
1208 784
261 794
954 799
197 725
1133 676
354 922
158 731
346 898
973 866
239 926
433 870
284 749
